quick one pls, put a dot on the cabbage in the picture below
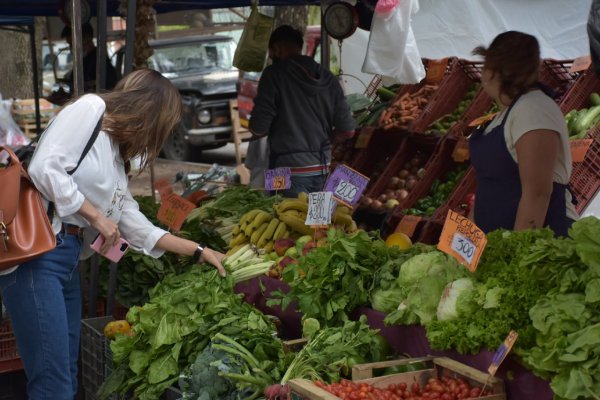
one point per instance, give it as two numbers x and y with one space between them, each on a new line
386 300
422 265
447 308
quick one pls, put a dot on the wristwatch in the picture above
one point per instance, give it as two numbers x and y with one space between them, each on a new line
198 253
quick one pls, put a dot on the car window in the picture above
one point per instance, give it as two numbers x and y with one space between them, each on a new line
193 57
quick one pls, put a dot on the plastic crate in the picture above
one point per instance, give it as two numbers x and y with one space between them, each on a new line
94 359
439 164
446 98
371 90
410 146
373 160
412 88
585 178
578 96
556 75
9 356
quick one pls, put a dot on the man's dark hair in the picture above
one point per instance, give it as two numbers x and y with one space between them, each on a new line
86 31
287 34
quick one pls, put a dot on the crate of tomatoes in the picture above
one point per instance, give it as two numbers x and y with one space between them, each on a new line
442 378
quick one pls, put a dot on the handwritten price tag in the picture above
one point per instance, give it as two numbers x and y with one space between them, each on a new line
579 148
346 184
408 224
164 188
482 120
581 64
463 240
321 206
278 179
173 211
502 352
436 69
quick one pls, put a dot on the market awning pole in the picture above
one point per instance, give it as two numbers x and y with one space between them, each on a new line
77 48
324 44
101 47
130 36
36 87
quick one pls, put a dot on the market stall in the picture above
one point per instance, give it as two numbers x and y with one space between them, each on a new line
373 287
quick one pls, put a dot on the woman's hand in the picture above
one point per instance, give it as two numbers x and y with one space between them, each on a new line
106 226
109 230
214 258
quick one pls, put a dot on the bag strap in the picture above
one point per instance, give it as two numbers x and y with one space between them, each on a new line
86 150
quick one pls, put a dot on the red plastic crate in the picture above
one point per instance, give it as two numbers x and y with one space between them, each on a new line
411 146
585 179
9 356
371 90
380 151
556 75
578 96
445 99
456 200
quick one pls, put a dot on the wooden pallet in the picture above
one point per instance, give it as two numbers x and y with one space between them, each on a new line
30 129
302 389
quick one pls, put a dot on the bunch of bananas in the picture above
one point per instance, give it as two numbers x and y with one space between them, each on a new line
259 228
263 229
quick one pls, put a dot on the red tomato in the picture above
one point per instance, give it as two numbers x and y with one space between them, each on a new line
475 392
402 386
415 387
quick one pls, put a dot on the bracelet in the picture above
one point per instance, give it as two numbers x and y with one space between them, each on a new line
198 253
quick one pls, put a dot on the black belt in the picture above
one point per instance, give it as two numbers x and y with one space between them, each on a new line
72 230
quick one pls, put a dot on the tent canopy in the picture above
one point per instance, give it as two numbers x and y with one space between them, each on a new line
51 7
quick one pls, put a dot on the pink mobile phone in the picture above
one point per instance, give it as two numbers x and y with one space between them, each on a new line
115 253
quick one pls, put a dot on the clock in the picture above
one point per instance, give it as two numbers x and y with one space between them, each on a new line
340 20
65 11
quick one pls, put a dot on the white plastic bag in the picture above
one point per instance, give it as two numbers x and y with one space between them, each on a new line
10 133
392 49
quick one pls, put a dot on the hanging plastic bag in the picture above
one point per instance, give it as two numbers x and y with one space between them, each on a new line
384 7
251 51
392 49
10 133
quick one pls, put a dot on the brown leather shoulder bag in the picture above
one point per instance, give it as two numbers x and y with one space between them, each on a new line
25 229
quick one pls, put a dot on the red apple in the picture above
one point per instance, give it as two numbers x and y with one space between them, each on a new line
281 245
285 261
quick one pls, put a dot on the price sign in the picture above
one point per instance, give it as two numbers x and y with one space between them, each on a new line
278 179
164 188
463 240
321 206
581 64
502 352
436 69
579 148
408 224
482 120
346 184
173 211
364 137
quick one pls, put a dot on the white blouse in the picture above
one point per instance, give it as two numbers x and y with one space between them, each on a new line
100 178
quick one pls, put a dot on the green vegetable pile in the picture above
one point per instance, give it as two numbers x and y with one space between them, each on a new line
183 313
331 281
443 124
367 112
438 194
580 122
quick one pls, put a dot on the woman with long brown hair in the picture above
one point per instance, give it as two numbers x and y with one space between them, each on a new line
522 158
43 296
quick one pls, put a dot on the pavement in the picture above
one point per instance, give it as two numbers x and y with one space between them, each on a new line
140 185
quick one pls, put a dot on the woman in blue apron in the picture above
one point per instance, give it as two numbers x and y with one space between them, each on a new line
521 158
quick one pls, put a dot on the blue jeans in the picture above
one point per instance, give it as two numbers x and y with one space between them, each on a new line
305 184
43 300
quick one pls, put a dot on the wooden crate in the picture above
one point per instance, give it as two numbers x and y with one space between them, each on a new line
302 389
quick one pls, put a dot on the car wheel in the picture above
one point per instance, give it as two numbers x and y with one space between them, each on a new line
177 148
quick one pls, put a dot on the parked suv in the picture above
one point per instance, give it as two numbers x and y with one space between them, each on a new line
201 67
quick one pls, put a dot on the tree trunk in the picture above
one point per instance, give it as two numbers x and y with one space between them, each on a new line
16 69
296 16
